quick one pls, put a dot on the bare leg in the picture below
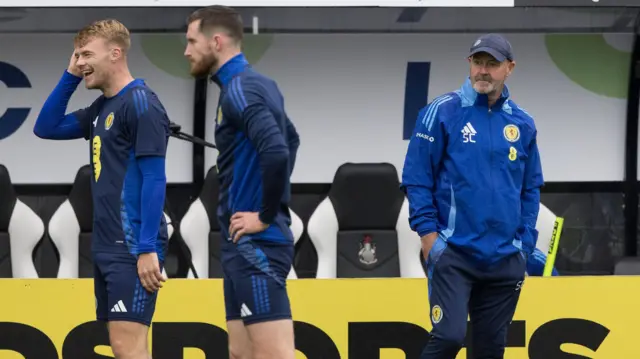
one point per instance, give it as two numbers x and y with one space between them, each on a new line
272 340
129 340
239 342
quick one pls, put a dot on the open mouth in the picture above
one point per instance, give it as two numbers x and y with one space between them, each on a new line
87 74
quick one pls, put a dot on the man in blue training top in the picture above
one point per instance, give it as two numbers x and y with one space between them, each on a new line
128 129
257 146
472 175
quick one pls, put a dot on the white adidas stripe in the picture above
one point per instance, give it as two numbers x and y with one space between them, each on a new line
119 307
244 311
473 130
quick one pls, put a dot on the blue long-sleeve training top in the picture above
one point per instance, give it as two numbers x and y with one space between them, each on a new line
257 146
472 173
128 134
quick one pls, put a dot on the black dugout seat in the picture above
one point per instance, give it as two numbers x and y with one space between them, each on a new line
361 228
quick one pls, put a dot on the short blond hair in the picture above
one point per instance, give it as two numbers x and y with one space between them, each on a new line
109 29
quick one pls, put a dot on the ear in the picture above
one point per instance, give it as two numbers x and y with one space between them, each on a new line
510 66
116 54
215 42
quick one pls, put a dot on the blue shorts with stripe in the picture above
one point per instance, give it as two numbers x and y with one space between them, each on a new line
119 293
255 274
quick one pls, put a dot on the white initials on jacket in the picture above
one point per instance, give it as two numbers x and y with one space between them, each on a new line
468 132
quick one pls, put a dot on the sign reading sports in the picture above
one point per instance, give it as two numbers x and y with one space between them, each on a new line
347 318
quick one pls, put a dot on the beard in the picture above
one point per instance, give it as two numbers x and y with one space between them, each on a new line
484 85
204 67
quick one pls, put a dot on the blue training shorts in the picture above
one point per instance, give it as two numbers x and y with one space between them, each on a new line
118 290
255 286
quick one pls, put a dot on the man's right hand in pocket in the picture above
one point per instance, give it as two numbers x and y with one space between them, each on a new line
427 243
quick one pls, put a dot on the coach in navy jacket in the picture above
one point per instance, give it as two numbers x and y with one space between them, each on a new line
472 175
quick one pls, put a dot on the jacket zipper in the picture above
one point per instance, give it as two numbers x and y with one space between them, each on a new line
491 164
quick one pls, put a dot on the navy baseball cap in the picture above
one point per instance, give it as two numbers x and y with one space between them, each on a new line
493 44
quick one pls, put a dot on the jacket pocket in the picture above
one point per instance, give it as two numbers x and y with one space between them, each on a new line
435 253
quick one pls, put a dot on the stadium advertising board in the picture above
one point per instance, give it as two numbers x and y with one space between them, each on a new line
349 108
561 317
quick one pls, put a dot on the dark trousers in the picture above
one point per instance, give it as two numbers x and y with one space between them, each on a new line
457 289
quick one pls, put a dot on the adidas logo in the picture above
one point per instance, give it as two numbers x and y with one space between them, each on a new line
119 308
468 132
244 311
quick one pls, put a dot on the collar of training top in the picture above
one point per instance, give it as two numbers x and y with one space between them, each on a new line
132 84
236 65
471 96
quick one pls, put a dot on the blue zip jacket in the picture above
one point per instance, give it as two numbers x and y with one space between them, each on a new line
257 146
473 174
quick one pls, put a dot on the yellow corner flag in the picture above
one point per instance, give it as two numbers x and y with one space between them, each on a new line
553 247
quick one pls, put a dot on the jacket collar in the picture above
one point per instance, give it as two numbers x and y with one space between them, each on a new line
471 97
231 68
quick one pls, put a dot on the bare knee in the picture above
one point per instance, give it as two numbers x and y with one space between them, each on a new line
239 353
272 340
128 340
239 342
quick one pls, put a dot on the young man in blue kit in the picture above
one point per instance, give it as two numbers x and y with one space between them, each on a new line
128 129
257 146
472 175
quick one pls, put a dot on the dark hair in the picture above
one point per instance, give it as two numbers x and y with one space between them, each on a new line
218 16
